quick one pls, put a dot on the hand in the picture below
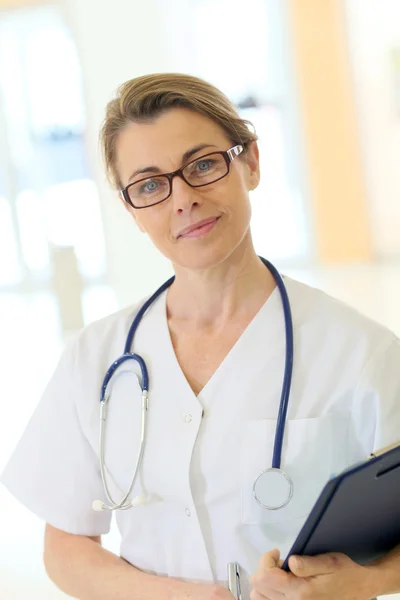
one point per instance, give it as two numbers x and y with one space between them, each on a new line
204 591
216 592
324 577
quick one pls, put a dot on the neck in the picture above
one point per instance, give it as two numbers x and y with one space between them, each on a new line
235 288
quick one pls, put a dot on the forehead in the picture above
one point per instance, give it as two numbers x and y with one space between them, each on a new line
162 141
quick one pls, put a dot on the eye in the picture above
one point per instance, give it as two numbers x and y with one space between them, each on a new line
204 164
149 186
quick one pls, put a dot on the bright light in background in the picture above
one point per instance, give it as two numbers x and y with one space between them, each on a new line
13 97
73 219
10 271
32 230
54 101
250 69
235 63
51 199
278 223
40 67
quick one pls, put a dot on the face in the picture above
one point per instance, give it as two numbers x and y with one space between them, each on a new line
159 147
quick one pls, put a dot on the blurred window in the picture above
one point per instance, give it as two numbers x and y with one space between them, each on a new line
44 174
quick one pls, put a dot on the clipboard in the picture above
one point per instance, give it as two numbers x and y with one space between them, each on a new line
357 512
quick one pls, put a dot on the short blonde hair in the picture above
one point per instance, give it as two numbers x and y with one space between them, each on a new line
144 98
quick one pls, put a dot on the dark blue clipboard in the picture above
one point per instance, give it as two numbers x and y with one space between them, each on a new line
357 512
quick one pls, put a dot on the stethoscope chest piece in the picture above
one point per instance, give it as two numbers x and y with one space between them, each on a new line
273 489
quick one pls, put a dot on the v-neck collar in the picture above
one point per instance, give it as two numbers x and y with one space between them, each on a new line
244 352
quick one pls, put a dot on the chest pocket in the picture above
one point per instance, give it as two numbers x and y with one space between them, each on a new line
313 449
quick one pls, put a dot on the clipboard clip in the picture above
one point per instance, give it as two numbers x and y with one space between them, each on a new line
234 580
383 450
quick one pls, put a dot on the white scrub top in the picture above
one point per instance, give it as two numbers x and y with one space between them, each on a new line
204 452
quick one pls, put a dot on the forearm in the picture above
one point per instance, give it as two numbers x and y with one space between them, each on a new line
83 569
386 573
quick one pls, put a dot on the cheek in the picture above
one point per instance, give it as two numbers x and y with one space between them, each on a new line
239 199
150 220
135 216
233 195
156 223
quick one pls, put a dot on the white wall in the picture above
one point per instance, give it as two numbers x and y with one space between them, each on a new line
374 27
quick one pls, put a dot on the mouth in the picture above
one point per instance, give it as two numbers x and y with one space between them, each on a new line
198 229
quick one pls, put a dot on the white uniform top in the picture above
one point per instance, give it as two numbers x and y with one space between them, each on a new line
199 470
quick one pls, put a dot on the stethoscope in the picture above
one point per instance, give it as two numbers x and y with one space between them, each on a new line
273 488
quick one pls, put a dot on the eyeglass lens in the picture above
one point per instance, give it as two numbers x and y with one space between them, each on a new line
200 172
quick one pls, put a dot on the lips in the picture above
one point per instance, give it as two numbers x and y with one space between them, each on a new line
198 225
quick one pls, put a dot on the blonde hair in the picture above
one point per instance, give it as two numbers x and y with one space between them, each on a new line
144 98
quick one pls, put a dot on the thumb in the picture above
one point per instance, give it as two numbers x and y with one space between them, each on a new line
308 566
269 560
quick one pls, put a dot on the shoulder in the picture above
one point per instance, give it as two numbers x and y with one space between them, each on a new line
324 320
86 358
100 342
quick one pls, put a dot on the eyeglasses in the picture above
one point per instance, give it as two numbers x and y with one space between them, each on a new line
198 173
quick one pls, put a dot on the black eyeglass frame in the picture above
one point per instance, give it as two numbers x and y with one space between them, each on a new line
229 155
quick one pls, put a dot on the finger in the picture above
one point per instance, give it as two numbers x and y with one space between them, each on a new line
308 566
273 581
269 560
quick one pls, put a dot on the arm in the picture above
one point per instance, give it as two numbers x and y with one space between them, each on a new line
386 573
81 567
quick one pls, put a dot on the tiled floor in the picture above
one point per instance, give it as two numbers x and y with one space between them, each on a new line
30 344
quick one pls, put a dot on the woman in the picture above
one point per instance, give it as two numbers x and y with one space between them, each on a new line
214 344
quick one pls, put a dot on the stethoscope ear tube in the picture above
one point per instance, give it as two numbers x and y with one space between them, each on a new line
122 359
123 504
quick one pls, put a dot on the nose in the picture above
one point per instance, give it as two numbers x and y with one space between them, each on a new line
183 196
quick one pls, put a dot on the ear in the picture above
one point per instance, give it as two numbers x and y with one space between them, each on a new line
253 165
132 212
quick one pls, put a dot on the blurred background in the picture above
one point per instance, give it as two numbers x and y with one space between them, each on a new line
319 79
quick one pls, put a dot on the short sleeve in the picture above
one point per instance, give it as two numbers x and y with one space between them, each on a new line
377 409
54 471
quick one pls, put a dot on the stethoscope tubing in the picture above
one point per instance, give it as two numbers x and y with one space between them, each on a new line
128 356
288 372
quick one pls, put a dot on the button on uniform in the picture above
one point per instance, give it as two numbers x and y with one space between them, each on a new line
187 511
187 418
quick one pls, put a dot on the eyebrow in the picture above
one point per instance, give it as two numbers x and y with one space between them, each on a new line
185 157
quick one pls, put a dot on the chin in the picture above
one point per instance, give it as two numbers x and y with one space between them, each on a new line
200 255
201 258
